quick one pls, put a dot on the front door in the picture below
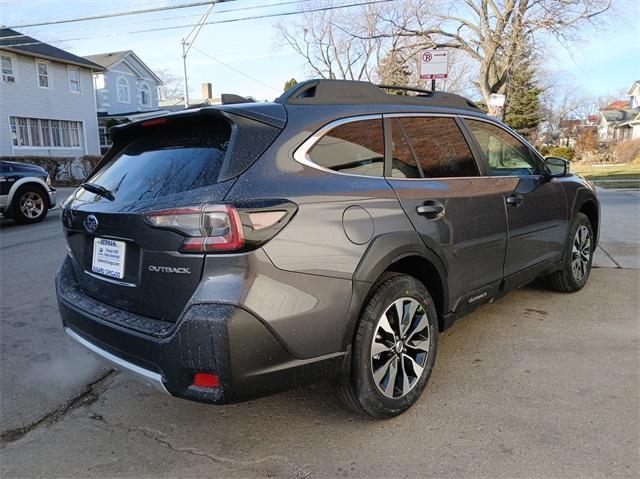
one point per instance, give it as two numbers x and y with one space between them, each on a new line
536 207
459 214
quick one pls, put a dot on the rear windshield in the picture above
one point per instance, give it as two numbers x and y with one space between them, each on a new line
166 161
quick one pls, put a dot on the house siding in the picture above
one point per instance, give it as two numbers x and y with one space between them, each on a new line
107 97
26 99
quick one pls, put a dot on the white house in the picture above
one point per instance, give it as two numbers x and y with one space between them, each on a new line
620 120
126 89
47 101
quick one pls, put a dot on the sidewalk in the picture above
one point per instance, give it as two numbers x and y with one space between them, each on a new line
619 229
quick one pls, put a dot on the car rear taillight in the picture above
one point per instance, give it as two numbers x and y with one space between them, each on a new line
220 228
208 228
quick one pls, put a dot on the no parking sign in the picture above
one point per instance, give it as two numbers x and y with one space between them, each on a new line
434 64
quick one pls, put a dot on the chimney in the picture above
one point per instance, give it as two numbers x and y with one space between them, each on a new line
207 91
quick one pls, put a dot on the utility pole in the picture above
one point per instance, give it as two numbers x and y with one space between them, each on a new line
187 42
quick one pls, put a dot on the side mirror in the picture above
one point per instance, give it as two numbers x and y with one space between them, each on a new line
556 167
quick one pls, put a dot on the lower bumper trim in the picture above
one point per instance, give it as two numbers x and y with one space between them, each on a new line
149 377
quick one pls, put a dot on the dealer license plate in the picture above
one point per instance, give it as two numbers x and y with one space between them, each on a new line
108 257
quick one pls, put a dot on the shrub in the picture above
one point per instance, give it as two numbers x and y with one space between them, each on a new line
627 151
561 152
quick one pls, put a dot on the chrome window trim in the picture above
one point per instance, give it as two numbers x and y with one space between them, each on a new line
301 155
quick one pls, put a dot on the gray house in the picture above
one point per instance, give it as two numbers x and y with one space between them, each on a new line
126 90
47 101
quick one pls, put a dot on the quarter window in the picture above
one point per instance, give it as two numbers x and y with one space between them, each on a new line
506 155
74 80
123 90
8 76
356 148
425 147
43 74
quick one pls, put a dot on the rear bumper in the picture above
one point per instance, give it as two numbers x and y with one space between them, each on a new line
221 339
144 375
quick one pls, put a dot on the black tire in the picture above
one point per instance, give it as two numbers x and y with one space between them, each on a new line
359 392
568 280
39 200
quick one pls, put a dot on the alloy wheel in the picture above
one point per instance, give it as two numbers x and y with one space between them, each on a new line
400 347
581 253
31 205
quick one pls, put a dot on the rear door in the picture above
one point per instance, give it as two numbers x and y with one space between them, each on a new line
459 213
536 207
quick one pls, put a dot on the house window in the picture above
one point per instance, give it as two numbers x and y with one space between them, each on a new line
145 95
43 74
104 136
45 130
8 76
34 127
39 132
74 80
56 134
123 90
23 132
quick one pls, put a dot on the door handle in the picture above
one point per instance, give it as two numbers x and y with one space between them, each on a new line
515 200
432 210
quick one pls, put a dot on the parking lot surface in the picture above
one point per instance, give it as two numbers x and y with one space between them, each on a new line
538 384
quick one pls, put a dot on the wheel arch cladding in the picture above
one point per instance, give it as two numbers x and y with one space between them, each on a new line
402 252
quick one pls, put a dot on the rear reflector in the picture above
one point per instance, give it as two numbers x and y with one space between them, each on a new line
206 380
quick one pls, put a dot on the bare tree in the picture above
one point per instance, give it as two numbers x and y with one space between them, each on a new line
172 86
340 44
493 32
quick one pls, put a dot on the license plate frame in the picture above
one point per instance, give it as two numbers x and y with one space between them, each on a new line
108 257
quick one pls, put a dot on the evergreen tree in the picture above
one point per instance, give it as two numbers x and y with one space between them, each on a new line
393 70
523 112
289 83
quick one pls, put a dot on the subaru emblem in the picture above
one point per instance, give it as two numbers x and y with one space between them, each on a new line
91 223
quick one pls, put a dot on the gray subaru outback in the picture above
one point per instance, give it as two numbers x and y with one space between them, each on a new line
229 252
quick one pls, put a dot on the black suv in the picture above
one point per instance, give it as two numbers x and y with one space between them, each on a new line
26 194
233 251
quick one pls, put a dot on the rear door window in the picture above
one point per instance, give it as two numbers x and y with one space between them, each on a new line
356 147
164 162
426 147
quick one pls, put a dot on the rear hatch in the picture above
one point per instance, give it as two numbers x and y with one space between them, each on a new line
168 164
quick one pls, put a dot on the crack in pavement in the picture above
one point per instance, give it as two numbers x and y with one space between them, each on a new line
299 472
86 397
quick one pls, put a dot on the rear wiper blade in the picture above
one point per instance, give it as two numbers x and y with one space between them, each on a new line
98 190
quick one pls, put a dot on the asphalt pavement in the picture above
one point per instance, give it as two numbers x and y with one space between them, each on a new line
538 384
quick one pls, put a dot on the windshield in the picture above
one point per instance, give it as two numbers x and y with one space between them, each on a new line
164 162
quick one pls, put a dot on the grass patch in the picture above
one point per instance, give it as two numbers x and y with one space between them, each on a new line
610 176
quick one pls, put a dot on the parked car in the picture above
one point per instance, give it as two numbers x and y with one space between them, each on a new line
233 251
26 194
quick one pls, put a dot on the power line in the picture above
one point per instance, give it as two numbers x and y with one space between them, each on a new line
119 14
236 70
190 25
175 17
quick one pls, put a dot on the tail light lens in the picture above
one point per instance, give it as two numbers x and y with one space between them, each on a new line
220 228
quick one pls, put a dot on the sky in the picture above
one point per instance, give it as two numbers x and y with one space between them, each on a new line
605 60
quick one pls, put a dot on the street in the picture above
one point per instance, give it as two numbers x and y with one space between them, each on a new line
538 384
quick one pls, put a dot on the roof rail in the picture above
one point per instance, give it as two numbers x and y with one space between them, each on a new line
333 92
